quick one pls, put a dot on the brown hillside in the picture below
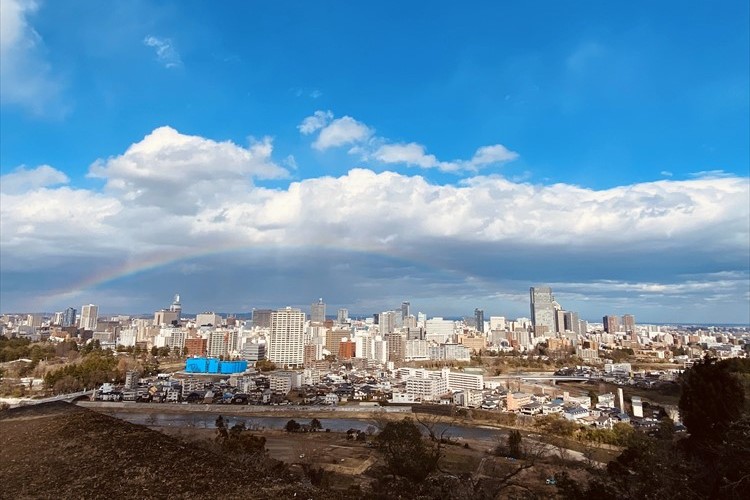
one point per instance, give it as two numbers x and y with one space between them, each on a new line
58 450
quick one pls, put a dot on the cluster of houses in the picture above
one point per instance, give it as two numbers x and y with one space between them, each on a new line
408 386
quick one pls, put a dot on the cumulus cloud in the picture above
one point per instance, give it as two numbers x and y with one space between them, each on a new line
317 121
411 154
496 153
340 132
184 173
414 154
23 179
166 53
27 77
360 138
176 194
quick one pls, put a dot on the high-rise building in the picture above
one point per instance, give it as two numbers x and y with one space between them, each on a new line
342 316
69 318
334 338
286 341
34 320
165 317
542 310
208 318
318 311
571 322
57 319
262 318
176 306
347 349
559 320
405 310
628 323
497 322
479 316
89 316
387 322
220 342
396 344
611 323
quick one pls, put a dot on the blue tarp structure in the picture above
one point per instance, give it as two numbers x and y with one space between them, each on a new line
214 365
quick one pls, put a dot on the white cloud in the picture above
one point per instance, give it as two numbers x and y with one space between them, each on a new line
414 154
165 51
496 153
710 174
172 193
347 131
27 77
317 121
183 172
340 132
411 154
23 179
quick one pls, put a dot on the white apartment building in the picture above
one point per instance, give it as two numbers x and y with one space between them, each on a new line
439 330
286 340
417 350
457 352
221 342
89 316
458 381
426 389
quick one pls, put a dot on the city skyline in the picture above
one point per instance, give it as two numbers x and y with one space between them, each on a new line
452 162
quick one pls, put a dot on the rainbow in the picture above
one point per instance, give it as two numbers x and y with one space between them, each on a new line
165 258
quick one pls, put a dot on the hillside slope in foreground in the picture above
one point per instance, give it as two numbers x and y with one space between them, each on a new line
58 450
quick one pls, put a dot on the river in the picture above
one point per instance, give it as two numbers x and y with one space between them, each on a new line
208 421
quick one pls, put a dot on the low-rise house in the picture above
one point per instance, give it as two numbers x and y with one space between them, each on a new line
575 412
331 398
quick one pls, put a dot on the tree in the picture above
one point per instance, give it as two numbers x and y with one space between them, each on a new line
221 429
265 366
315 425
154 351
292 426
712 398
514 444
405 452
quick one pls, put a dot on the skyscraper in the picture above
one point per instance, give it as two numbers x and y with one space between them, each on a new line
69 318
405 310
318 311
387 322
343 316
262 318
89 315
611 323
628 323
479 316
572 323
542 310
286 341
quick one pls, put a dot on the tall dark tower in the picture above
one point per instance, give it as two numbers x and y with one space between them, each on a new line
479 315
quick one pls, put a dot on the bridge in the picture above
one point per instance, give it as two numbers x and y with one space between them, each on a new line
69 397
538 377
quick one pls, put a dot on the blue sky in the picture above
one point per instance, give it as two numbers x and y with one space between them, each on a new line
453 156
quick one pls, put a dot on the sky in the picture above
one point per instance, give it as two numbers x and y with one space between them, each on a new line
248 154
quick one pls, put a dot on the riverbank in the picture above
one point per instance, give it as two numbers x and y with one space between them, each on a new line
348 412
